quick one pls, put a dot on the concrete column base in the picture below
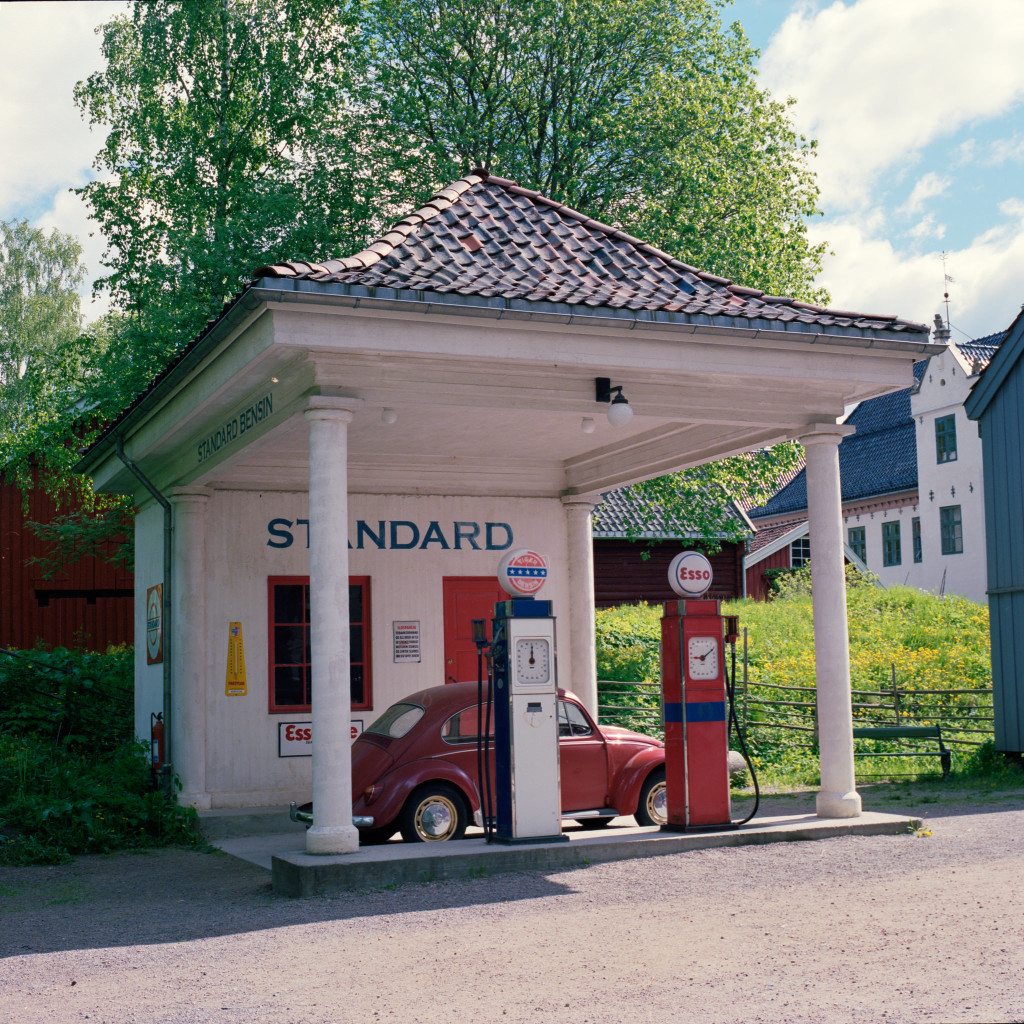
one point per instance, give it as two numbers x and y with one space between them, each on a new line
838 805
200 801
332 839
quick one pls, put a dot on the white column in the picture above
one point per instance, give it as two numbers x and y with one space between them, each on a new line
838 796
332 830
189 580
582 649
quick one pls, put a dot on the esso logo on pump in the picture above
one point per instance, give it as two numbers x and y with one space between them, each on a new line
689 574
522 573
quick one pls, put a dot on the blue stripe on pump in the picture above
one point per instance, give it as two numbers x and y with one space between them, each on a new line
703 711
674 712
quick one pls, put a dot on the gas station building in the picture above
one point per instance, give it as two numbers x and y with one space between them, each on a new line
329 475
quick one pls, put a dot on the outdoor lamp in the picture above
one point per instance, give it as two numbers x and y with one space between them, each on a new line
619 411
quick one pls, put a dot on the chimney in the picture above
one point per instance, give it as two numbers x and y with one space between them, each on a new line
940 333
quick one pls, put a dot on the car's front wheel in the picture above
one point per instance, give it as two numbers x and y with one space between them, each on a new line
434 813
653 806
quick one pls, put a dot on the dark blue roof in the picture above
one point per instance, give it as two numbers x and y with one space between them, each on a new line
980 351
879 459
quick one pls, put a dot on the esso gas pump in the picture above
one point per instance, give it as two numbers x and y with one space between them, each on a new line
694 695
525 693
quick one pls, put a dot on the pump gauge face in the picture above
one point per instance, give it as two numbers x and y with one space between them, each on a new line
533 660
702 657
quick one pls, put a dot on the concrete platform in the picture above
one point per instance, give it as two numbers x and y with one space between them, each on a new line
297 873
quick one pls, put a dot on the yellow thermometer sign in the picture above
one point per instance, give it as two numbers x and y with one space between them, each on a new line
234 681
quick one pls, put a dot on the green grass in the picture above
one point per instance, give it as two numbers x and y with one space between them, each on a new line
933 643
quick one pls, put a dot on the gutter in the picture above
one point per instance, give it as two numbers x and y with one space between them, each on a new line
166 767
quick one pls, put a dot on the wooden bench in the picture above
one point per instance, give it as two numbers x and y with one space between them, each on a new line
909 732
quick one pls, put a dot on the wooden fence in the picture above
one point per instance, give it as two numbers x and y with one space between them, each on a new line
965 715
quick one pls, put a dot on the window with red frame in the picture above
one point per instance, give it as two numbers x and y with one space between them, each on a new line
291 677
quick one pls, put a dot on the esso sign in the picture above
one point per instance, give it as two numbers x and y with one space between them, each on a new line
522 573
689 574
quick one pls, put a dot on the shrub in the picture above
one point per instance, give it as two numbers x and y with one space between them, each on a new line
72 778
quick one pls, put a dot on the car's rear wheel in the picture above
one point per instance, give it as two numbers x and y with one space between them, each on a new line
653 806
435 813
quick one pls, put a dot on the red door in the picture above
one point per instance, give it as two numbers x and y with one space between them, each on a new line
466 598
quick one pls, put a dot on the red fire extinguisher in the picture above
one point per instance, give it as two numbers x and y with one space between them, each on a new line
156 744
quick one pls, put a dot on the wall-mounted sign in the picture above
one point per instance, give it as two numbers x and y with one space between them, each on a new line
522 573
406 641
235 426
402 535
234 679
689 574
295 739
155 625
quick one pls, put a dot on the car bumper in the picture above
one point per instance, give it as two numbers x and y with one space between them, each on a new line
359 820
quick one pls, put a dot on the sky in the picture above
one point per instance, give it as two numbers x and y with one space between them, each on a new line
917 107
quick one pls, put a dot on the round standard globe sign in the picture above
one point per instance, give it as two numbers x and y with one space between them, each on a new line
522 573
689 574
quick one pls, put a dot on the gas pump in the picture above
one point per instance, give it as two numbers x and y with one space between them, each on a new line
693 685
525 691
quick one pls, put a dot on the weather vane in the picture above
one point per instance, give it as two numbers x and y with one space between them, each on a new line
946 282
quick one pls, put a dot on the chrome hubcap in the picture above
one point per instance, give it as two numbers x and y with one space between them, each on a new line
436 819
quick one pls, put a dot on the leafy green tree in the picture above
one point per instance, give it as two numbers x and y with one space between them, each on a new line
232 142
40 322
645 113
244 132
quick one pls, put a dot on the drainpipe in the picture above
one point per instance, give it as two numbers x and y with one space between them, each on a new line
165 768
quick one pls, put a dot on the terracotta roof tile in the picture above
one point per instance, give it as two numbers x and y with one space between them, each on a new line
486 235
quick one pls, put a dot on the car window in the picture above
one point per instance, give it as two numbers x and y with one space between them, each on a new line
462 728
571 721
397 720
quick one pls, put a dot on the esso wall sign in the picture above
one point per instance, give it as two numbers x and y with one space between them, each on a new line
522 573
689 574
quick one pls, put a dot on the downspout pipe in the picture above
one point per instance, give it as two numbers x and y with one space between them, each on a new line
166 767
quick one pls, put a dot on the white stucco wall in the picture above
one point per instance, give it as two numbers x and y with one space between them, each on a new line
943 391
242 762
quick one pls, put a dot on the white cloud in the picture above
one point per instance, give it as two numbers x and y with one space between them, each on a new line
1004 151
877 80
867 273
45 48
928 187
927 228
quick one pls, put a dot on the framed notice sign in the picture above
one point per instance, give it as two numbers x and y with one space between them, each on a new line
406 641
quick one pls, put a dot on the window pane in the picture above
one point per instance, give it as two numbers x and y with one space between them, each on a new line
288 685
951 528
858 541
355 603
891 551
356 684
355 634
945 439
288 646
289 603
915 527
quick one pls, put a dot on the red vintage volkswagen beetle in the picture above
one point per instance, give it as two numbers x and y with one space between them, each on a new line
414 770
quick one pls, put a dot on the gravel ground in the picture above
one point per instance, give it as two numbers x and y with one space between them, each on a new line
909 928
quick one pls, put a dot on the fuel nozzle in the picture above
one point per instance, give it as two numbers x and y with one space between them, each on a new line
732 628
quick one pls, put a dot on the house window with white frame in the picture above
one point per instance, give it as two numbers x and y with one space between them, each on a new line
892 551
800 552
945 439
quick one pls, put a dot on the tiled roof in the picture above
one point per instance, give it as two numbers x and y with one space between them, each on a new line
980 351
486 236
767 534
880 458
617 514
